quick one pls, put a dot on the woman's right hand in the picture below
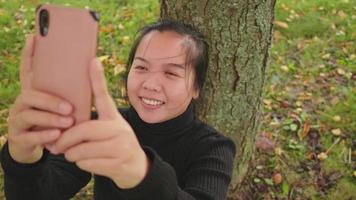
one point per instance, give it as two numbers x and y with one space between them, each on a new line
34 109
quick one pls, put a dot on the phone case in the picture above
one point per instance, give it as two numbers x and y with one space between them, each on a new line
62 58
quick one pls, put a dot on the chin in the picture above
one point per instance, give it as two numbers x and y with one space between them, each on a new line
150 119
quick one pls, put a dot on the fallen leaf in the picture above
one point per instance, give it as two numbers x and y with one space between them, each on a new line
277 178
119 68
306 130
337 118
121 27
2 140
322 156
342 14
341 71
326 56
285 68
265 144
281 24
354 173
103 58
336 132
278 151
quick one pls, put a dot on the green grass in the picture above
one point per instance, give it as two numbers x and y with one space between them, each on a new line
311 80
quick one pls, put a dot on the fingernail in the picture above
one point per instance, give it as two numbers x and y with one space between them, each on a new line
64 107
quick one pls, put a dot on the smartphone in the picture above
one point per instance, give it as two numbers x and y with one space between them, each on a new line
65 44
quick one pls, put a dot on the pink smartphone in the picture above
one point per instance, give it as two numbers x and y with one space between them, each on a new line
65 44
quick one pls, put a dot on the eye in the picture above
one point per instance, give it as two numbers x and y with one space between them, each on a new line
140 68
172 74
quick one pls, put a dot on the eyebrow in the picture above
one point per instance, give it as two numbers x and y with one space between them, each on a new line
182 66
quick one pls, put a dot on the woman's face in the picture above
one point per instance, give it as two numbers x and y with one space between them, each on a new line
160 85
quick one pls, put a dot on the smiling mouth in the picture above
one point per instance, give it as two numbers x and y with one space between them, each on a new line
151 102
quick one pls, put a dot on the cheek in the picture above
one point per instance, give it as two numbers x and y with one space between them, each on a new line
178 90
132 83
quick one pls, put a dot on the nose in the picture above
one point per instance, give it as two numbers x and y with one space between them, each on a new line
152 82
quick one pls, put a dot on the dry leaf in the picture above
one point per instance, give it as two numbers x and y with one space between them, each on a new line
284 68
342 14
340 71
277 178
119 68
121 27
306 129
278 151
326 56
336 132
103 58
322 156
265 144
337 118
281 24
2 140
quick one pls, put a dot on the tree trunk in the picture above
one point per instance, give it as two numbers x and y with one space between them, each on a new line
239 34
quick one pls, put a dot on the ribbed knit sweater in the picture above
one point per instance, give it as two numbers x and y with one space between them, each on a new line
189 160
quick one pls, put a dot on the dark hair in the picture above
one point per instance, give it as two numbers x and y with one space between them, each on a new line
198 55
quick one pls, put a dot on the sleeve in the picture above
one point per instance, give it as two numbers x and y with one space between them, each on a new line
52 177
207 178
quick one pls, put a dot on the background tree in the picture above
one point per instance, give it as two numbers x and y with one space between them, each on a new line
239 33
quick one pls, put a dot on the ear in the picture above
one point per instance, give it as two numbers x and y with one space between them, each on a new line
196 93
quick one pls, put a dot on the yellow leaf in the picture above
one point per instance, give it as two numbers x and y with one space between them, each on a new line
119 68
284 68
322 156
278 151
103 58
281 24
2 140
336 132
337 118
121 27
342 14
340 71
326 56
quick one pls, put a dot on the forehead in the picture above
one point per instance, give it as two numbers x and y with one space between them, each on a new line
162 46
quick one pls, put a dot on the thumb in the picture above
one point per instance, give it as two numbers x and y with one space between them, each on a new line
26 63
104 104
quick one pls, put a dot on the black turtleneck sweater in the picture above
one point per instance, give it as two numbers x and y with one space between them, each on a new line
189 160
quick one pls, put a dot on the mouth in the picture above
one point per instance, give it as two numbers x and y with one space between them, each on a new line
151 102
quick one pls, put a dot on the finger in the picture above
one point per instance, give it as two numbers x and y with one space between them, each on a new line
30 118
26 62
42 101
37 137
90 150
85 132
97 166
104 103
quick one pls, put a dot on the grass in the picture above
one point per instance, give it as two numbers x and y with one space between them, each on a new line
309 101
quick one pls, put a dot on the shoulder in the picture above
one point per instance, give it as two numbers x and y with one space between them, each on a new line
206 138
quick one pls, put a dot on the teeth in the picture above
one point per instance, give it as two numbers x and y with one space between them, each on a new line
152 102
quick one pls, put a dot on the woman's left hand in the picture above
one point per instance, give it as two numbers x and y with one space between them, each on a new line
107 146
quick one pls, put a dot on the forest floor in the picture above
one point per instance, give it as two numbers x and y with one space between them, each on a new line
306 148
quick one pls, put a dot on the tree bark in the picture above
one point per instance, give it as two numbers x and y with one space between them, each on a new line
239 34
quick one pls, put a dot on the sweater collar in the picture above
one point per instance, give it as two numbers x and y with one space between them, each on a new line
175 125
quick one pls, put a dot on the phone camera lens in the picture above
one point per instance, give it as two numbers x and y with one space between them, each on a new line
44 22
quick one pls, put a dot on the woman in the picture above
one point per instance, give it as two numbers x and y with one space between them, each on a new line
156 149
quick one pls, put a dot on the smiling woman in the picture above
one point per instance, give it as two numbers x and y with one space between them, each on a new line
156 149
160 87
